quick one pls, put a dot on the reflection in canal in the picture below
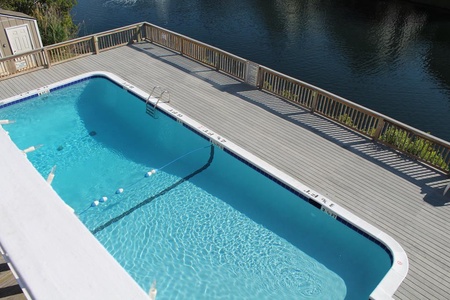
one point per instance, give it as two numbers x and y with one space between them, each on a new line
390 56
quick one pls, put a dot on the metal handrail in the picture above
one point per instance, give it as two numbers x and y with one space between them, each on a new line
156 88
160 97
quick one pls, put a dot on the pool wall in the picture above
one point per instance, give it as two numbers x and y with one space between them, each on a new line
399 268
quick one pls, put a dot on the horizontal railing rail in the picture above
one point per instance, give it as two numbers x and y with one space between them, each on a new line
401 137
22 63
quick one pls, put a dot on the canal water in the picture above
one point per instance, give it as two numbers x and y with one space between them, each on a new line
390 56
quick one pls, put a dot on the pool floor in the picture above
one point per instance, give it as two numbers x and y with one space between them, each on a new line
204 226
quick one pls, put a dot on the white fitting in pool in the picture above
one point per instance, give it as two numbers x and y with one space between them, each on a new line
152 293
31 149
4 122
51 175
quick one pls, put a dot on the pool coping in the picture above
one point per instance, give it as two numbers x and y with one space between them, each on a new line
400 265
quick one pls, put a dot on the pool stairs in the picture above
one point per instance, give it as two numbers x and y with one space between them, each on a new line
150 108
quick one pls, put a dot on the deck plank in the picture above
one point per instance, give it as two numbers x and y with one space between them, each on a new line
398 195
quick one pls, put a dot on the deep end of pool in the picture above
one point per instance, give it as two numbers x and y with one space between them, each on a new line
399 268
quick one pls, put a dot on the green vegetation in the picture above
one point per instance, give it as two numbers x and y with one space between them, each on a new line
400 139
289 95
53 17
346 120
416 146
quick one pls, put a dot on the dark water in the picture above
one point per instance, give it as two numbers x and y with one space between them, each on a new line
390 56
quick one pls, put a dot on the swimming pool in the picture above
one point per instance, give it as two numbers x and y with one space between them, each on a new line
207 223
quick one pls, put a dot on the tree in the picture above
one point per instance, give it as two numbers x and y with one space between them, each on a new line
53 17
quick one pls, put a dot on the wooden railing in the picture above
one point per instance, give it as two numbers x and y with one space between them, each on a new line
22 63
66 51
408 140
198 51
118 37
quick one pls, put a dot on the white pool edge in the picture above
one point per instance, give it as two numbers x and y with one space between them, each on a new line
399 269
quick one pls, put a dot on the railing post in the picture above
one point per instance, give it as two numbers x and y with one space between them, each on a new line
259 82
252 72
182 46
217 60
138 33
314 102
95 42
47 59
150 29
379 129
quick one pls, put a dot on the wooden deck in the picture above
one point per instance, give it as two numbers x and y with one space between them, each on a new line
399 196
9 288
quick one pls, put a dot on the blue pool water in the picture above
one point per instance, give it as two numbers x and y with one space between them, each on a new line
205 225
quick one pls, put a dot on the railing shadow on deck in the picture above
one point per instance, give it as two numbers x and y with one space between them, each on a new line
431 181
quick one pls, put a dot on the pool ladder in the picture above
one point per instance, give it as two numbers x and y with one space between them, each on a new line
150 108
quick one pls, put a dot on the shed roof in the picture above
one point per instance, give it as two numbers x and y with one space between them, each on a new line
16 14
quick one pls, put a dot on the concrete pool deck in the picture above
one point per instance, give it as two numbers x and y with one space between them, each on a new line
53 253
398 195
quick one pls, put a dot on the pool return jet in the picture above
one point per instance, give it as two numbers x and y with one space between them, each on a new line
31 149
4 122
51 175
24 151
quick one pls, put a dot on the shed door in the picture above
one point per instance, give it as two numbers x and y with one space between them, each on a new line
19 39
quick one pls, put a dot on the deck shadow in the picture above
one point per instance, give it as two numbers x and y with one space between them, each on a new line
431 181
10 291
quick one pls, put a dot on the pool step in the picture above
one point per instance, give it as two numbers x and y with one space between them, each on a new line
151 110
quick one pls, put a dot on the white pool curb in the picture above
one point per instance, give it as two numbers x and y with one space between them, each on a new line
39 233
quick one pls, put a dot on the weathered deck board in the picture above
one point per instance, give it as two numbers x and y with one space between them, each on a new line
399 196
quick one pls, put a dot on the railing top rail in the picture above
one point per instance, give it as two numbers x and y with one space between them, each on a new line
69 42
90 36
21 54
111 31
363 108
197 41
